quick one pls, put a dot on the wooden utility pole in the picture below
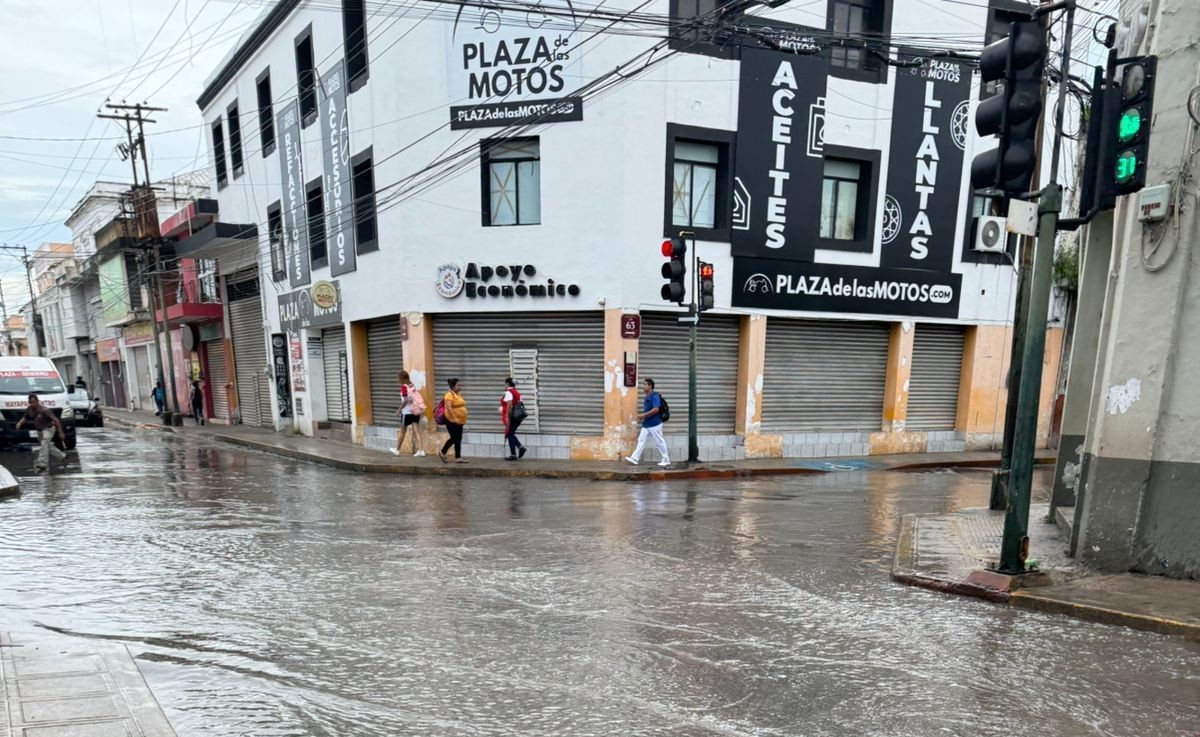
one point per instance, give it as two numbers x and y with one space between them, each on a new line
149 239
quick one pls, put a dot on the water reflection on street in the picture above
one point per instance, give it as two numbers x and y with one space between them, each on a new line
268 597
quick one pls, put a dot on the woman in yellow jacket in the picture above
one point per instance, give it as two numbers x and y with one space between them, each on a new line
456 418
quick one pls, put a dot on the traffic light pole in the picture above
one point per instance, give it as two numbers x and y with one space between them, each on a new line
1014 547
694 314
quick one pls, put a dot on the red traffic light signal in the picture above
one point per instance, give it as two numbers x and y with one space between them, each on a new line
675 270
707 288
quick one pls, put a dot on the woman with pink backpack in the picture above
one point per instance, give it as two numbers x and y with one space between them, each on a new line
412 406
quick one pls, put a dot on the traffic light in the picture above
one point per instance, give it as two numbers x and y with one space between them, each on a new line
1013 113
675 270
1132 129
707 291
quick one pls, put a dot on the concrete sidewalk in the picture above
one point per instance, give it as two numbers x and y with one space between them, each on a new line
364 460
57 687
947 553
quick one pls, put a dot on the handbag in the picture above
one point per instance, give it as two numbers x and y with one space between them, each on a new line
517 412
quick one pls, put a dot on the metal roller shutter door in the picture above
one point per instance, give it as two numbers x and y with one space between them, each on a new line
570 366
824 375
141 374
933 383
385 361
337 380
250 362
218 377
663 356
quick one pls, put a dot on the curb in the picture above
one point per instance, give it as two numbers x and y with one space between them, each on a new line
1143 622
1045 460
489 472
1027 599
135 425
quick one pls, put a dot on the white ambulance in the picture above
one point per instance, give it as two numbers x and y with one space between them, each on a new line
21 376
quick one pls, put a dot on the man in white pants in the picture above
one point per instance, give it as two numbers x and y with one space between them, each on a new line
651 425
48 427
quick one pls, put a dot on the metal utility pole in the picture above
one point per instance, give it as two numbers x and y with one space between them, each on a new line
147 224
693 320
1015 545
1000 479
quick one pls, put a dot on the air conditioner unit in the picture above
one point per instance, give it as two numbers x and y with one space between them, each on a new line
990 235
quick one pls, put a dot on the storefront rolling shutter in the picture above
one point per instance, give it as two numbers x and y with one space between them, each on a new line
337 380
385 361
824 375
218 377
477 349
933 383
663 356
250 362
141 374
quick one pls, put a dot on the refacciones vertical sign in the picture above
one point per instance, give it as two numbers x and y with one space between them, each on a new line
295 220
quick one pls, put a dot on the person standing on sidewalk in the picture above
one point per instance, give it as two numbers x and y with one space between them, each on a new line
160 397
197 403
651 425
412 406
456 419
512 413
43 419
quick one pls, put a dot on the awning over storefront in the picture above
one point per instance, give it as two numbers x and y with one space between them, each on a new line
194 217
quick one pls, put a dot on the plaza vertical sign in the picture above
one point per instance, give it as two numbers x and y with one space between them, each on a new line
780 154
930 119
295 219
335 151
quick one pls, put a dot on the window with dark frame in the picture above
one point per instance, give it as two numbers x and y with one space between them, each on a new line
275 237
354 37
266 113
314 211
840 199
698 182
235 140
512 186
694 185
218 139
857 23
366 230
306 78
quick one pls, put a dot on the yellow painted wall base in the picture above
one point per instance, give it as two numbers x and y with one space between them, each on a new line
891 443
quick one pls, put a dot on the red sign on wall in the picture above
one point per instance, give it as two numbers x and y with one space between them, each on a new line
631 326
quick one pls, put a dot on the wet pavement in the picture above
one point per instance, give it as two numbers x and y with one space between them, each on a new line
264 596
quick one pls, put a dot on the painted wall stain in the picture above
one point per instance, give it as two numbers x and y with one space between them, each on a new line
418 378
1122 396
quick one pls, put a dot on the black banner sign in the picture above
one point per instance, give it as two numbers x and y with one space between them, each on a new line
291 173
299 309
516 112
930 120
335 137
780 150
279 364
789 285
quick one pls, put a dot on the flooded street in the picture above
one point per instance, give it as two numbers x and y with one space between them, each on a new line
267 597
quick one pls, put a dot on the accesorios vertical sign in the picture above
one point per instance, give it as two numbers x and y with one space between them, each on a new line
335 151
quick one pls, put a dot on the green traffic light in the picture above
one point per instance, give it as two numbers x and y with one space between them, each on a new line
1127 166
1129 125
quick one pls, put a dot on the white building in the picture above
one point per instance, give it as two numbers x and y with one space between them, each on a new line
486 197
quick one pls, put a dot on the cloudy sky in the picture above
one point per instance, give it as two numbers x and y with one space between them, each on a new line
60 61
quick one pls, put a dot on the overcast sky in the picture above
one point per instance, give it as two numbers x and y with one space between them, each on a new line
60 61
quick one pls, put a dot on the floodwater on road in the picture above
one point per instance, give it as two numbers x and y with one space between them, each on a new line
266 597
